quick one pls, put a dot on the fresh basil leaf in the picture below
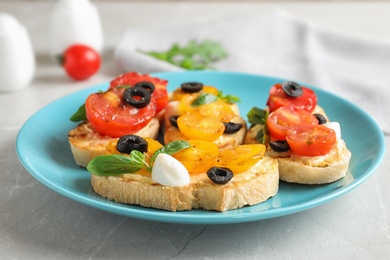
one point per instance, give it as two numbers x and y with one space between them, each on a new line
257 116
262 135
114 164
204 98
228 98
170 148
80 114
138 158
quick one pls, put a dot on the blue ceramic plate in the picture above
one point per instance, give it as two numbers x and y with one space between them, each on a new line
43 149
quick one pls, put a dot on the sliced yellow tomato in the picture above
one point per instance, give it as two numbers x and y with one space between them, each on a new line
218 109
111 146
198 158
153 145
186 101
194 125
210 90
241 158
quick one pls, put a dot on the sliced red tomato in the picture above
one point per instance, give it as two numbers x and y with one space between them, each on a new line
110 115
278 98
160 94
311 140
284 118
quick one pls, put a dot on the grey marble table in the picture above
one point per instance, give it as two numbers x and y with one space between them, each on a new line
37 223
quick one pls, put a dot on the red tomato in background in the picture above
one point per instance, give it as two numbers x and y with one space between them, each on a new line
81 62
311 140
278 98
110 115
160 93
284 118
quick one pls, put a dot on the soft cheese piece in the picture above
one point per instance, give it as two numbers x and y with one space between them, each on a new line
336 128
169 172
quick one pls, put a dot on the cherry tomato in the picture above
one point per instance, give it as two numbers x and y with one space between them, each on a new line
110 115
241 158
278 98
311 140
81 62
284 118
194 125
160 93
198 158
219 110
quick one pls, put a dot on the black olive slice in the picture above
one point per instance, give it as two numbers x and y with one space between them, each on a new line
138 97
191 87
321 119
128 143
149 86
279 146
231 128
220 175
292 89
173 120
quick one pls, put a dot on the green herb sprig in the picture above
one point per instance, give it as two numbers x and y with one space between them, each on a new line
79 115
115 164
192 56
258 116
206 98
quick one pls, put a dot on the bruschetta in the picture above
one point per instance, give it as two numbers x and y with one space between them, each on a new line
184 175
133 104
196 111
298 134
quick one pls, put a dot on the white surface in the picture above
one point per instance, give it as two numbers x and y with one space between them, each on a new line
74 21
278 44
17 62
36 222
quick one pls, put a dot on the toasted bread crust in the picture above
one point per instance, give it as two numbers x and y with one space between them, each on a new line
299 171
255 186
86 144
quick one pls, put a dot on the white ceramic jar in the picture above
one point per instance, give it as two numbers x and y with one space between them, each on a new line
17 59
74 22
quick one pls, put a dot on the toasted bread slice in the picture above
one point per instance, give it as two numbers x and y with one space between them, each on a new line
317 169
254 186
86 144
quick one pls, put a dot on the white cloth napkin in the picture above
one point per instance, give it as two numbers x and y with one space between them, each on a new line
281 45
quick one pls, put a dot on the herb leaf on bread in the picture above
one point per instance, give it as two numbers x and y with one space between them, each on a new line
257 116
170 148
115 164
80 114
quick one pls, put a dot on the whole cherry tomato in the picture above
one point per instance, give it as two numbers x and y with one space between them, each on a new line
81 62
